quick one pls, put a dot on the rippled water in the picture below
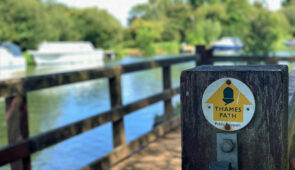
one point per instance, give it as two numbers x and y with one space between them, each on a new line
58 106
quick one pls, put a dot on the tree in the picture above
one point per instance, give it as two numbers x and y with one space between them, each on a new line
179 17
142 11
6 33
27 22
146 33
61 23
205 32
144 40
98 27
236 23
207 24
263 32
289 13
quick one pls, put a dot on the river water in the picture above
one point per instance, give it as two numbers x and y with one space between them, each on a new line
55 107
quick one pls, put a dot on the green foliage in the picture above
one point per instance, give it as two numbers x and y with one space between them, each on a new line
237 17
155 27
25 19
29 22
98 27
144 39
264 31
214 12
170 32
5 33
289 12
171 47
205 32
29 59
61 23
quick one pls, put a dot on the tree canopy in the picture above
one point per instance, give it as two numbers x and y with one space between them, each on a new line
29 22
205 21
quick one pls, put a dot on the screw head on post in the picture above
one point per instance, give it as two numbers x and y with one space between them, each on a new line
227 146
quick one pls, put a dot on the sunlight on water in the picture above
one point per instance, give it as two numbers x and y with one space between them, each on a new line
55 107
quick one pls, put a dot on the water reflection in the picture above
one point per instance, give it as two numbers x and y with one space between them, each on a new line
58 106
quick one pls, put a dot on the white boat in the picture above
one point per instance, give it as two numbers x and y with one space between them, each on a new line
66 52
290 42
11 58
228 43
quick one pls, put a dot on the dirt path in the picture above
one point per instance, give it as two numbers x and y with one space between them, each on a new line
165 153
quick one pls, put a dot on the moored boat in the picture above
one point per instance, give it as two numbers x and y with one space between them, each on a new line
228 43
11 58
66 52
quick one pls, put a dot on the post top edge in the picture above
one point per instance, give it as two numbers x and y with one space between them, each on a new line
242 68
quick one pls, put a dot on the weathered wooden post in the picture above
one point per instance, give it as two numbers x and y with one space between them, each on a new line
116 100
235 116
168 108
271 60
205 55
17 127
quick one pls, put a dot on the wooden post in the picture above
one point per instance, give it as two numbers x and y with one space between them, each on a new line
262 144
205 55
17 126
168 108
209 55
291 120
116 100
271 61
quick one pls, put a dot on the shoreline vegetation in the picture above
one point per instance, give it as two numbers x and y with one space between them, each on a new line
157 27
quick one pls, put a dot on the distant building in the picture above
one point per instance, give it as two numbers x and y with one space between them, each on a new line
272 5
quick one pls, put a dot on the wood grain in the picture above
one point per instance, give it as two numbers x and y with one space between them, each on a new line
116 101
21 86
168 108
17 127
262 144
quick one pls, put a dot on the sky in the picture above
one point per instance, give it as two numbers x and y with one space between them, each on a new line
118 8
272 5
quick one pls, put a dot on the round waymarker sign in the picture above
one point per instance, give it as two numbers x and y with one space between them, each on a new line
228 104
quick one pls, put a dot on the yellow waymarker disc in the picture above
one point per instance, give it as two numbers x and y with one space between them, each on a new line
228 104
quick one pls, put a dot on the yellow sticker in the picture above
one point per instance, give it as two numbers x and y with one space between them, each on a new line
228 104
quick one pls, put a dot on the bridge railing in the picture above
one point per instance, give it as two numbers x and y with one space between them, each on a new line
21 146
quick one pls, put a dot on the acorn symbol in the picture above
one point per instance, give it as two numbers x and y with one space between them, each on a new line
228 95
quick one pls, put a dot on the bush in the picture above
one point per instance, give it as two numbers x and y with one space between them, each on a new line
205 32
167 47
263 33
30 60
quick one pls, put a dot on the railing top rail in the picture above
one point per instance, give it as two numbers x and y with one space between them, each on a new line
49 138
20 86
251 58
